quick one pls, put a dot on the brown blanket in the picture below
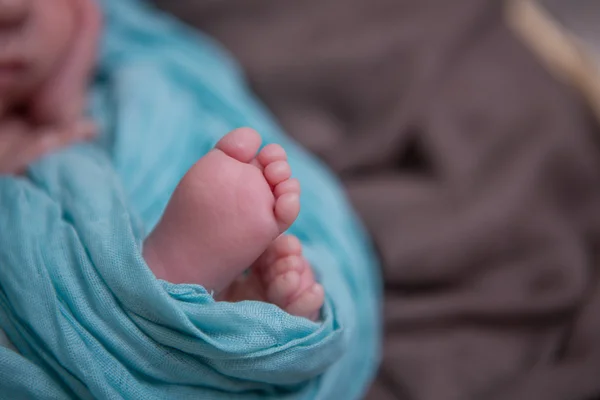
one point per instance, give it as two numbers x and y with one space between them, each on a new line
477 173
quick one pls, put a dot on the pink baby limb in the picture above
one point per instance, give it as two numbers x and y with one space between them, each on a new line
47 54
228 215
61 99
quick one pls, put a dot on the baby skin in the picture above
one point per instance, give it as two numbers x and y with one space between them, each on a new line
227 217
47 55
227 214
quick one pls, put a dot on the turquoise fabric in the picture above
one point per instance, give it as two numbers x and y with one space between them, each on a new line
88 318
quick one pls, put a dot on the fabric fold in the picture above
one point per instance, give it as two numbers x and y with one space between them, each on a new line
88 318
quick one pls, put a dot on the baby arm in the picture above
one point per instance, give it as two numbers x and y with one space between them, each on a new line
61 99
22 143
42 113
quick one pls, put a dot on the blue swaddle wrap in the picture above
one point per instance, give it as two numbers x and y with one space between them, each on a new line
87 316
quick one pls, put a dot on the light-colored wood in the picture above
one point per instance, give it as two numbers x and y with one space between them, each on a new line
564 54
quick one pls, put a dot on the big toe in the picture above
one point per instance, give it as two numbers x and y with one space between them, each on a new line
241 144
282 247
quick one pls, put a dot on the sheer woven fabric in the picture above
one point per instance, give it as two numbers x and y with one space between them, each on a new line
77 301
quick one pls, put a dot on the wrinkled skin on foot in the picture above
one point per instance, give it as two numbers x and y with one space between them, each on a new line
47 53
227 216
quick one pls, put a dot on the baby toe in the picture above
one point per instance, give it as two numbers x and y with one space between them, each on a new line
287 186
277 172
283 246
281 267
283 287
287 208
309 303
240 144
286 245
270 154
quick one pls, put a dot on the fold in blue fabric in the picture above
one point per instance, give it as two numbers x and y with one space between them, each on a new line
86 316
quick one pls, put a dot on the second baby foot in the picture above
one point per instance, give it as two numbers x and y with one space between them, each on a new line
226 211
281 276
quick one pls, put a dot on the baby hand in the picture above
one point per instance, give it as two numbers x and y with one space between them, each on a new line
63 97
21 144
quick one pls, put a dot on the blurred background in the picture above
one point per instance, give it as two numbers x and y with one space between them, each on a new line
466 134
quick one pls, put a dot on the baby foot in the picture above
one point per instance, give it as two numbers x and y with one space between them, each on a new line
281 276
225 212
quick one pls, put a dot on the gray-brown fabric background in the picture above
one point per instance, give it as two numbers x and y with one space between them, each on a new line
477 174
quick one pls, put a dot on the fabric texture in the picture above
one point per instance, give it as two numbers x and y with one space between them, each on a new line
477 173
88 318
